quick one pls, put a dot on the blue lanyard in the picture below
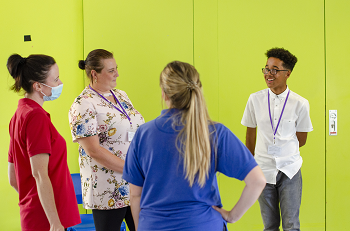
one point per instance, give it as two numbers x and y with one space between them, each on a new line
123 112
285 102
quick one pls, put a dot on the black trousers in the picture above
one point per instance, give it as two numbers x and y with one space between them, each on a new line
111 220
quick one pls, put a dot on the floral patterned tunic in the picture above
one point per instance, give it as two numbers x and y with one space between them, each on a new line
91 115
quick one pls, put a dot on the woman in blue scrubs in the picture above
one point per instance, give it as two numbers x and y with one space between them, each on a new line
172 162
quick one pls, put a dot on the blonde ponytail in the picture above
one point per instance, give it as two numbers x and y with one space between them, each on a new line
180 82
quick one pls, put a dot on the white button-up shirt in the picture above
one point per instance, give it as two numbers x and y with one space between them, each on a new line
295 118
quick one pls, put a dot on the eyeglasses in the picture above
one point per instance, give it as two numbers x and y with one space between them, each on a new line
272 71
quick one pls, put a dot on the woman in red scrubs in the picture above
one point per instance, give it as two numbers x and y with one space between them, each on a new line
37 156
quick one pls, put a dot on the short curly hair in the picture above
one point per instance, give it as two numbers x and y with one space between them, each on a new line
289 60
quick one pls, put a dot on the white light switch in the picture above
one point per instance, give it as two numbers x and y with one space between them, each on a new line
333 122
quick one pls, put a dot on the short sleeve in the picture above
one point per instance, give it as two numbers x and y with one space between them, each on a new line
248 118
303 123
132 172
82 118
233 157
38 134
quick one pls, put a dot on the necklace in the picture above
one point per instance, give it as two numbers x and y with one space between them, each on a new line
107 94
104 94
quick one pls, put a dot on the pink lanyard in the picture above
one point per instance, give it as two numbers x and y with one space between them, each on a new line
123 112
285 102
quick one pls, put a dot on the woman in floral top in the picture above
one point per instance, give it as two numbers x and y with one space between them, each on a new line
103 121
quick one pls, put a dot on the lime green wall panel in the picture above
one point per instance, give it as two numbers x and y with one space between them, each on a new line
337 98
226 41
144 36
246 29
206 52
56 29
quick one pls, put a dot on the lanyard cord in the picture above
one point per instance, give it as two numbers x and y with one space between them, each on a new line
285 102
123 112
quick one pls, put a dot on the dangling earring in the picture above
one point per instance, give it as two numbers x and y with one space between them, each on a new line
95 80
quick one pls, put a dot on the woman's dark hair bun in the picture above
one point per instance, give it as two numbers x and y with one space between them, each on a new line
81 64
26 71
13 63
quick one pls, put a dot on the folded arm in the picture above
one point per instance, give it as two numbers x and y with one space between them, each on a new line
92 147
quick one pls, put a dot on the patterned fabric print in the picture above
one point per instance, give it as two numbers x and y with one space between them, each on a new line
91 115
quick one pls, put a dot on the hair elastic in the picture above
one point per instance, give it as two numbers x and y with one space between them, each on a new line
191 86
23 60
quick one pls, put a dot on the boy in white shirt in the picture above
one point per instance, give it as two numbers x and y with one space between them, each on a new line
283 121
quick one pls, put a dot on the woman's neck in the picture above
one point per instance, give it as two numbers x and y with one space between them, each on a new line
35 97
99 89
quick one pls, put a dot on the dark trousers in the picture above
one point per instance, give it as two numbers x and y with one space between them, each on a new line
111 220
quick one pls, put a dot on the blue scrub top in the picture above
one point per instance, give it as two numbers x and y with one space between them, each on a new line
167 200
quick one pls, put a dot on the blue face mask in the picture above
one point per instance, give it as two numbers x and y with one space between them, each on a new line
55 92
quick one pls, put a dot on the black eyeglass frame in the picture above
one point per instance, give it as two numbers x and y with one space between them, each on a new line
271 70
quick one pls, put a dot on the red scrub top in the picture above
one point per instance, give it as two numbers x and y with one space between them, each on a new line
32 133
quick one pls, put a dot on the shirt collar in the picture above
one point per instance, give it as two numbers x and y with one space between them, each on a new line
31 103
170 112
280 96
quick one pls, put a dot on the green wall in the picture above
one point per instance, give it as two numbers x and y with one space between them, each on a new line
56 29
245 32
226 41
337 61
230 39
144 36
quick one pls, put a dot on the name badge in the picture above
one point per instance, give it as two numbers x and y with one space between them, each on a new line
274 150
130 134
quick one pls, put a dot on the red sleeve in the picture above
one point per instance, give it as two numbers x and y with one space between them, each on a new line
38 134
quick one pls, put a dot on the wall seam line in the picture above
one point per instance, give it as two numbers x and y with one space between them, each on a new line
217 53
325 105
193 32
